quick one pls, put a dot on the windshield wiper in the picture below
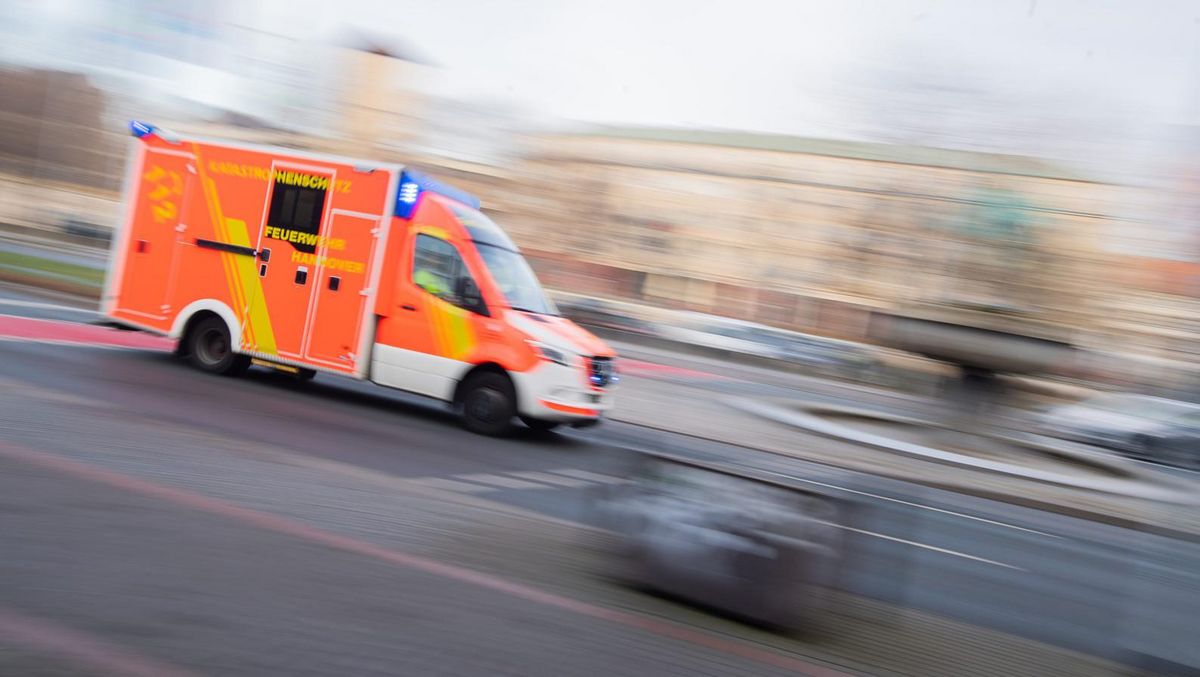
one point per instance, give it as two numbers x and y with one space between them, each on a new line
519 309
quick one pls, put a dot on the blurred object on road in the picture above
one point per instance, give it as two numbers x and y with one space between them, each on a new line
1140 426
724 334
598 313
757 549
737 336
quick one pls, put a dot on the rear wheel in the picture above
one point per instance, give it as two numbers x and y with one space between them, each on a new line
539 424
488 404
210 348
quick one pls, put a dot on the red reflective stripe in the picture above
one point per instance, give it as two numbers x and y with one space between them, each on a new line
568 409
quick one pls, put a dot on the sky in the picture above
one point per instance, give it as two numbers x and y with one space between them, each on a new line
1097 79
800 67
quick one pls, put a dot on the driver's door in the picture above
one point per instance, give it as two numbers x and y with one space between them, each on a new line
434 330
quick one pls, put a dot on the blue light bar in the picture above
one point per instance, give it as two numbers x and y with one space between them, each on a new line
140 129
413 184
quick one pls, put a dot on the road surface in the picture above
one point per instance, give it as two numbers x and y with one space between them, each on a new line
244 489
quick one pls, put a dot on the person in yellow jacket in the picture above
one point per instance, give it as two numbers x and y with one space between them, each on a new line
434 284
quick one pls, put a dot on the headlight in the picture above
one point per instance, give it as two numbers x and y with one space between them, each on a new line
551 354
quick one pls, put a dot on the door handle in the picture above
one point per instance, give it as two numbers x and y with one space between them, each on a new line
408 307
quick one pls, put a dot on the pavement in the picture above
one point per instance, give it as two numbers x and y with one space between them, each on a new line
256 526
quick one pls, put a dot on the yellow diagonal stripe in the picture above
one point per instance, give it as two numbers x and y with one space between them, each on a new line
241 272
246 269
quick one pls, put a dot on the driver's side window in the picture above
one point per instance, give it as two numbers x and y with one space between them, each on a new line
439 269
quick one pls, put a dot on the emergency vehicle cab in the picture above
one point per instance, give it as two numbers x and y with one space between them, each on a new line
310 263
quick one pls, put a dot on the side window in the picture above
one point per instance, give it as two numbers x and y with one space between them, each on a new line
298 208
439 270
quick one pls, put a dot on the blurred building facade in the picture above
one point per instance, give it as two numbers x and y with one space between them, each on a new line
380 108
813 234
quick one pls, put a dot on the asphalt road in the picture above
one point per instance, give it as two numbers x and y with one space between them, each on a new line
1047 577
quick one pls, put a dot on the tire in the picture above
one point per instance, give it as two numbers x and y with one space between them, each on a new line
487 404
539 424
210 349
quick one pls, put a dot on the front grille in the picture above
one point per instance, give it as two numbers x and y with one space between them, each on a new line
601 371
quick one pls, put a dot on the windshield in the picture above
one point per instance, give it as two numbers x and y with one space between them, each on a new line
516 280
510 270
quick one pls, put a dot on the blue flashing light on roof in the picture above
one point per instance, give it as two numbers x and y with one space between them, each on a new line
413 184
140 129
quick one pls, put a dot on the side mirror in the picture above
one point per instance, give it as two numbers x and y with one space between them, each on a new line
468 295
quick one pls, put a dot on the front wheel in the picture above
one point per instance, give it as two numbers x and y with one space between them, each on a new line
210 348
488 404
539 424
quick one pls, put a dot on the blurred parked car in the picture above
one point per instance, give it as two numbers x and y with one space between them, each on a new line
737 336
597 313
1140 426
747 546
734 336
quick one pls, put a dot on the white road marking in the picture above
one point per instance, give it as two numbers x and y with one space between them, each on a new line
501 481
591 476
71 344
551 479
918 505
450 485
934 548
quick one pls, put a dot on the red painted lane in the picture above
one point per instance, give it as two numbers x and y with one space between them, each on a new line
52 331
453 572
92 654
17 328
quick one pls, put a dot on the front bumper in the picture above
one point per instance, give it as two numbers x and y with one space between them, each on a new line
553 392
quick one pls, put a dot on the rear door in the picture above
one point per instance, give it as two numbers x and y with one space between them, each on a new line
163 189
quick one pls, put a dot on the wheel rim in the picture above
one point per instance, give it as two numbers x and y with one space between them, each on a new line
212 346
485 405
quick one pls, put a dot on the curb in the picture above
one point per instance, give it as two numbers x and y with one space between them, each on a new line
1163 492
1082 456
1143 525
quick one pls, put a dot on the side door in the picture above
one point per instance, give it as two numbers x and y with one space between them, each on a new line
335 331
439 310
152 251
297 204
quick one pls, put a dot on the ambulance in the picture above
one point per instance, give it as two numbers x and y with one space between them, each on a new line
310 263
